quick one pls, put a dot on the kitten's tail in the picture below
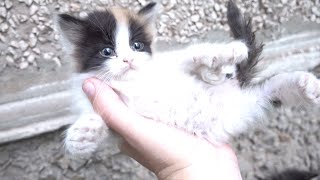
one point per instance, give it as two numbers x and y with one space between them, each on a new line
241 29
299 52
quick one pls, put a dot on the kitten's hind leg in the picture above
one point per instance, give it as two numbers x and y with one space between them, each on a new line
289 89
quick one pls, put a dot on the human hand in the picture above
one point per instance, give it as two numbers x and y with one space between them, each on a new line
168 152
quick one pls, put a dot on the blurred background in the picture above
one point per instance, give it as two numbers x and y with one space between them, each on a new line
35 85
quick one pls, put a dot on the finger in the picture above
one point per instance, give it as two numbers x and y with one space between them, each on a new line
128 150
110 106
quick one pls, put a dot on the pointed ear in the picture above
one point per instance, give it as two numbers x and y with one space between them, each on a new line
148 12
70 28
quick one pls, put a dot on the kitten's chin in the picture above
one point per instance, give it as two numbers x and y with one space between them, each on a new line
129 74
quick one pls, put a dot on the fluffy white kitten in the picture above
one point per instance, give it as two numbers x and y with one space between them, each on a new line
203 89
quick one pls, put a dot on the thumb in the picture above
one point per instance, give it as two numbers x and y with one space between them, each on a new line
109 106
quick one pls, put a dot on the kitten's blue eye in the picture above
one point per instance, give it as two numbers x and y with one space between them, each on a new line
107 52
137 46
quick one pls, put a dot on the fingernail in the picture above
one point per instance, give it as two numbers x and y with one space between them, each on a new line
89 88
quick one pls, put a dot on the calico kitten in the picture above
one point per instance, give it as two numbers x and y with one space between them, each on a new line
203 89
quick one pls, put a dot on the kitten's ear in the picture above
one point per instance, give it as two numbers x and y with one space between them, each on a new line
148 12
70 28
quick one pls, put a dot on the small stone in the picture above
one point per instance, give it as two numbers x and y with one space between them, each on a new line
63 163
35 19
41 27
315 10
2 38
32 40
3 12
33 9
8 4
26 54
284 1
42 39
23 45
11 51
74 7
10 59
57 61
76 164
36 50
48 55
42 18
23 65
199 25
142 2
14 44
56 37
31 58
83 14
195 18
217 7
43 10
22 18
12 23
4 27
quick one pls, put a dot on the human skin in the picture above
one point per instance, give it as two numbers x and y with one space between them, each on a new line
168 152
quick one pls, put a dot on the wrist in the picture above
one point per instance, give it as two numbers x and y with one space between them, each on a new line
186 172
218 164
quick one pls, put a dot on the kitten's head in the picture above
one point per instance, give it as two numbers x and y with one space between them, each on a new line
115 42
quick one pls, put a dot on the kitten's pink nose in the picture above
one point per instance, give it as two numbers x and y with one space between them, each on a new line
128 60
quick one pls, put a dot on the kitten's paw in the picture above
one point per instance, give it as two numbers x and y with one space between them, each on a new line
210 62
209 76
231 53
85 135
239 51
310 87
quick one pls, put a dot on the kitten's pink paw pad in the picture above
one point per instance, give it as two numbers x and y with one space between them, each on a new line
310 86
85 135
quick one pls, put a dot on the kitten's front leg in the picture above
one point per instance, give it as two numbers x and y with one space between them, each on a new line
85 135
298 88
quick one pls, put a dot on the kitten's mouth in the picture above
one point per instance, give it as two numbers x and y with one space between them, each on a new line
132 66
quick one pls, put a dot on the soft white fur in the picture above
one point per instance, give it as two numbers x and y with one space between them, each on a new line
187 89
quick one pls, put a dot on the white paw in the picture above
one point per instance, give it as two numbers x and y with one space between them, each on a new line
85 135
310 87
228 54
239 51
208 61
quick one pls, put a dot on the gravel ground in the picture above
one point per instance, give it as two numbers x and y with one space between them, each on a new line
29 43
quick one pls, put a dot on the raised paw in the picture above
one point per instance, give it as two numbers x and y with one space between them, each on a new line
213 55
310 87
85 135
239 51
